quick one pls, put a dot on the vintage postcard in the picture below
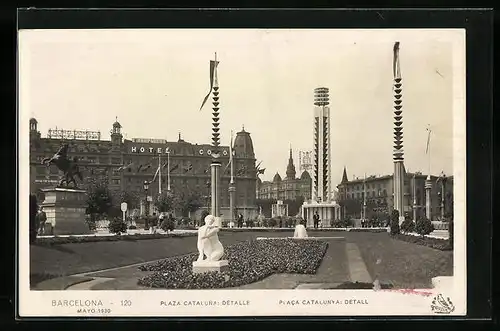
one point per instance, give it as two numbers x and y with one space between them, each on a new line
245 172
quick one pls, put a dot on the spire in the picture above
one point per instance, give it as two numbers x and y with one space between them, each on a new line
344 176
290 169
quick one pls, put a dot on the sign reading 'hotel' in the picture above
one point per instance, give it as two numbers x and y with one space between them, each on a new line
166 150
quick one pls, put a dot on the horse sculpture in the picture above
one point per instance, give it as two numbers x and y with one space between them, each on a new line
68 166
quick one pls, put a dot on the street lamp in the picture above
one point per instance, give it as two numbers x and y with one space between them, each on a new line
146 204
441 194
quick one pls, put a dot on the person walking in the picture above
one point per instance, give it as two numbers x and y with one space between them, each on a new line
41 220
240 220
316 220
154 224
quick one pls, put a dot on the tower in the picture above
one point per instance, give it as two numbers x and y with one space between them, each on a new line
290 168
321 164
34 133
398 153
116 135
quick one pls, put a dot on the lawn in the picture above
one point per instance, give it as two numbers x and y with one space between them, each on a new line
405 265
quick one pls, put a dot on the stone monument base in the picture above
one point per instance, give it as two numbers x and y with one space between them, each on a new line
65 210
208 266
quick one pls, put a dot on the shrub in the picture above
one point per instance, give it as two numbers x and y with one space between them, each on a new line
249 261
167 224
204 213
440 244
90 220
117 226
407 226
272 222
424 227
132 227
395 222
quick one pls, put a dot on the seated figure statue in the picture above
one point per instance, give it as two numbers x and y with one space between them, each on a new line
208 240
300 231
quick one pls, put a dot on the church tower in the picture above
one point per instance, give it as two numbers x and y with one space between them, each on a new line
290 169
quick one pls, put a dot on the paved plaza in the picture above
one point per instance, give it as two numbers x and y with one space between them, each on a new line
350 257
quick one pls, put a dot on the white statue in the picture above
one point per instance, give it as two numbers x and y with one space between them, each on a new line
300 231
208 240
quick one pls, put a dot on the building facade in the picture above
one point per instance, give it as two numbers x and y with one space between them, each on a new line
380 195
127 163
289 188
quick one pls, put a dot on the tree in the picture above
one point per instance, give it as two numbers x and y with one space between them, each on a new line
132 199
352 206
187 201
266 205
165 202
424 226
294 205
395 222
99 198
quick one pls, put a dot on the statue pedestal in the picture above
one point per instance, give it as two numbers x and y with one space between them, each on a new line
208 266
65 210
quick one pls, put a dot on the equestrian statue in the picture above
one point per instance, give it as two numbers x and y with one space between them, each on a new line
68 166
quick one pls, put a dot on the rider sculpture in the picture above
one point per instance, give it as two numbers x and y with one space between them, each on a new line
68 166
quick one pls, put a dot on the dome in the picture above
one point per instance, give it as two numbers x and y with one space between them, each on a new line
33 120
117 125
305 175
277 178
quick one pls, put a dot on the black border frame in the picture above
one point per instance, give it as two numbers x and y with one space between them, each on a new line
479 96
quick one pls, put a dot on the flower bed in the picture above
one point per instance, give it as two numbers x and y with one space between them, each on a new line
85 239
249 261
441 244
372 230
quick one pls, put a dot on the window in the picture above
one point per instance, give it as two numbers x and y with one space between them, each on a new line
116 160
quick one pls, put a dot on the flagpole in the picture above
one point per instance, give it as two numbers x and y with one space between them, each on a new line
159 173
231 158
429 147
168 171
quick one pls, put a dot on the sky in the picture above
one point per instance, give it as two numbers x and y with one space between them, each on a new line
154 81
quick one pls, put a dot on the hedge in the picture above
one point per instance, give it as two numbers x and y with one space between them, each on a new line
440 244
85 239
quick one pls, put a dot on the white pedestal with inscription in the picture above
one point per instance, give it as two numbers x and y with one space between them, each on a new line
209 266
